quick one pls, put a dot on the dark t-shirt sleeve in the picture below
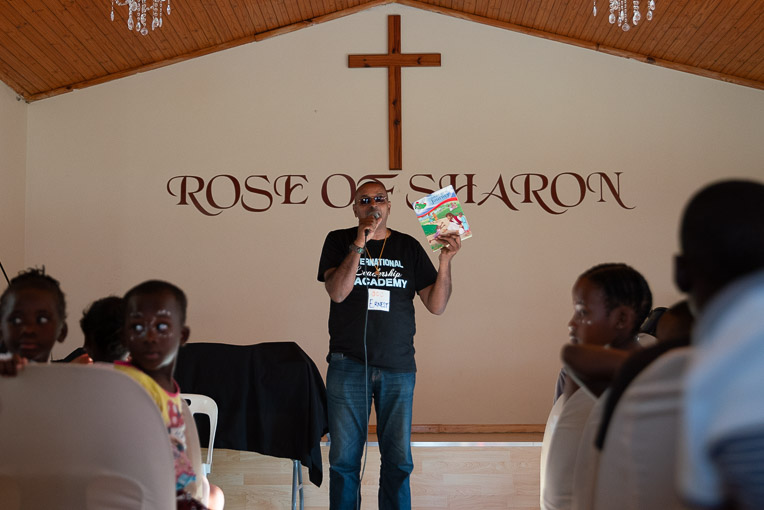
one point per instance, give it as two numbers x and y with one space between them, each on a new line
334 251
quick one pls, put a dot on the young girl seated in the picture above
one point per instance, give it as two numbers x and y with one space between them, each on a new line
610 302
32 319
154 329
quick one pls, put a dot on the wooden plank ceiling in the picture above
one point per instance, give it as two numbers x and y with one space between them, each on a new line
48 47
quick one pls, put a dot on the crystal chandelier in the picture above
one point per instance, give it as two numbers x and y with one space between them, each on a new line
619 13
140 8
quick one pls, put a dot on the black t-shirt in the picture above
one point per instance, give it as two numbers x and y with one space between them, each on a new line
405 268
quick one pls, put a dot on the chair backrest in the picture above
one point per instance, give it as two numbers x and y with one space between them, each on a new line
557 484
636 469
202 404
200 488
85 437
587 458
551 424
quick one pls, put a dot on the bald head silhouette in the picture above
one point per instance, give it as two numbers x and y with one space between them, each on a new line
721 237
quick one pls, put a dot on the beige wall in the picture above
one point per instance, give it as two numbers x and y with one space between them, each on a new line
13 130
100 217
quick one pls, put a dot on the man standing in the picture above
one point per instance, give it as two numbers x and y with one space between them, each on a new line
372 274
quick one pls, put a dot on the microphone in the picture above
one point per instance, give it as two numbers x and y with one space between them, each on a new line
376 216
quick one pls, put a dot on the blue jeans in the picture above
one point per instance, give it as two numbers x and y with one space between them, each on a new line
349 407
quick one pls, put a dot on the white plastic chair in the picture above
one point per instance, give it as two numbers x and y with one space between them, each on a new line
637 464
551 424
202 404
201 487
85 437
588 458
557 481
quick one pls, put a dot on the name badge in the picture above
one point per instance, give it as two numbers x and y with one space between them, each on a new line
379 300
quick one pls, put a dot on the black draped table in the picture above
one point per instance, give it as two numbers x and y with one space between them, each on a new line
271 398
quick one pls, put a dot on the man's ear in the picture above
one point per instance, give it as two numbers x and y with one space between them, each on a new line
185 333
62 334
682 278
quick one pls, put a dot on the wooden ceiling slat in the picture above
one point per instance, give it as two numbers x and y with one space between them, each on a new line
481 7
528 14
55 34
11 76
318 8
29 38
513 11
102 63
492 9
542 15
186 28
743 57
582 22
176 32
632 39
259 21
680 29
196 16
269 14
458 5
106 56
146 48
292 10
245 11
757 69
700 54
736 40
748 68
665 26
219 23
94 17
305 9
21 62
232 20
22 36
646 29
67 44
559 15
282 15
696 31
470 6
329 6
505 9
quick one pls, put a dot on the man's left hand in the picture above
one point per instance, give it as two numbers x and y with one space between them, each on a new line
451 244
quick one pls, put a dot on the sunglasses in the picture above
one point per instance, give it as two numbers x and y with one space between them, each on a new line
379 199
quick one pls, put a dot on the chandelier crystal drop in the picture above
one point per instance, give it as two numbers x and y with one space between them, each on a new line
619 13
140 8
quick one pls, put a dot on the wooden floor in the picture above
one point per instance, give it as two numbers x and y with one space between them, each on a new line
481 472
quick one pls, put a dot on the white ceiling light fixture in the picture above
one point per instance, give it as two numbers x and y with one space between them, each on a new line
619 13
141 8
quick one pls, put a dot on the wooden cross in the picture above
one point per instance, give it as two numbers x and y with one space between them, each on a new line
394 60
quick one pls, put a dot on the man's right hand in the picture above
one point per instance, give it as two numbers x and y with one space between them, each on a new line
369 223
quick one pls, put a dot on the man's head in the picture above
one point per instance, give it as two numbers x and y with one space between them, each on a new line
371 197
721 239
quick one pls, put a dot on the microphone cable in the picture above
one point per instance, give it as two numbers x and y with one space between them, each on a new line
366 404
